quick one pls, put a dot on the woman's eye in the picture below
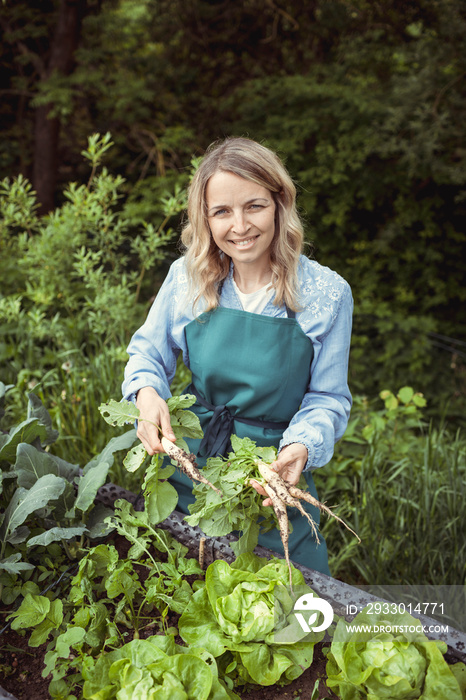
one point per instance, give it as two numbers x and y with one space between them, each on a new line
219 212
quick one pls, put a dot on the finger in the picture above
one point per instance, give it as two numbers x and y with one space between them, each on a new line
258 487
281 466
261 490
167 429
149 438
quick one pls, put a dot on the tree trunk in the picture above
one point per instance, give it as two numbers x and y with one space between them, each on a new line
47 129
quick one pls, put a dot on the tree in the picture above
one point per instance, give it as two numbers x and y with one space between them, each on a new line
47 48
364 100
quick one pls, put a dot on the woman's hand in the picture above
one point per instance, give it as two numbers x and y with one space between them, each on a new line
153 414
289 465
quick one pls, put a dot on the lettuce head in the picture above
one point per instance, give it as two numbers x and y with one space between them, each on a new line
241 617
155 669
379 657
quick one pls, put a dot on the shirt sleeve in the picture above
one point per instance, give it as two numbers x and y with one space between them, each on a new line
153 349
323 416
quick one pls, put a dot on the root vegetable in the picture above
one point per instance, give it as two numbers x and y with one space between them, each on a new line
283 494
186 463
279 486
306 496
289 493
282 517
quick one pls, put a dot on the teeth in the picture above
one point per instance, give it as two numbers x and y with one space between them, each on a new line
243 242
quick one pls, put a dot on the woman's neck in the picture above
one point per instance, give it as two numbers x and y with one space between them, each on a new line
251 278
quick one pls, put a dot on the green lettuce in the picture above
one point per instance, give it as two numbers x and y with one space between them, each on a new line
155 669
379 656
242 616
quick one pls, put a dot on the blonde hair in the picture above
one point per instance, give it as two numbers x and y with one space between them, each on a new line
206 264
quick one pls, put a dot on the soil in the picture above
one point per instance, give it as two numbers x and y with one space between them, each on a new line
21 666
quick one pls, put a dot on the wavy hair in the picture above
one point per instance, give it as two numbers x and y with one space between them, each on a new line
206 264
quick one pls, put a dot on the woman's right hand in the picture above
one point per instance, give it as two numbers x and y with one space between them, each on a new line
153 414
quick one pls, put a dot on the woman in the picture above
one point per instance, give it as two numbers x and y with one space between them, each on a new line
264 330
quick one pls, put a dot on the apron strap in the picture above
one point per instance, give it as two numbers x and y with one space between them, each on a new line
216 440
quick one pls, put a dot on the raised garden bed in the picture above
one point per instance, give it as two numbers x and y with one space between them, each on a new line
25 682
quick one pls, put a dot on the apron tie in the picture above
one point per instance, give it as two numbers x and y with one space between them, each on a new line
216 440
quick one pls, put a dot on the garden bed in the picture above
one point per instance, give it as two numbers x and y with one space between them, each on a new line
24 679
21 666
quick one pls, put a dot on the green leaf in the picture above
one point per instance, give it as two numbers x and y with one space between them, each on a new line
135 458
364 661
19 535
240 506
459 671
149 668
55 534
96 521
52 621
89 484
72 637
249 538
25 502
32 463
31 612
406 394
119 412
419 400
27 431
187 425
176 403
50 661
121 442
63 506
14 565
36 409
160 501
239 610
315 691
122 581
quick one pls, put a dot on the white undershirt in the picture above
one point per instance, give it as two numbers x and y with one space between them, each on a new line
255 302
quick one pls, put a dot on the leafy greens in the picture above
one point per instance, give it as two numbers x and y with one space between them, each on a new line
240 509
155 668
366 663
240 617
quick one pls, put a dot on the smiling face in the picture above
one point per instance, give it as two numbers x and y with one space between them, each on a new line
241 216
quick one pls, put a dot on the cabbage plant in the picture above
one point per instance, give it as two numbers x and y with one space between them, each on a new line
379 656
242 617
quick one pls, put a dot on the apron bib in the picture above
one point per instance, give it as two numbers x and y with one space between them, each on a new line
249 374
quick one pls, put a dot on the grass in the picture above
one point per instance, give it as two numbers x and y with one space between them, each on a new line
405 498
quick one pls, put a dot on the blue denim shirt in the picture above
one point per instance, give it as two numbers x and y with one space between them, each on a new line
326 307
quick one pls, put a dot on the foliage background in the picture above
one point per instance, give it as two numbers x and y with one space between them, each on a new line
365 101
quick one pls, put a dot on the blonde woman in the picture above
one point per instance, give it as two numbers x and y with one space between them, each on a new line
264 330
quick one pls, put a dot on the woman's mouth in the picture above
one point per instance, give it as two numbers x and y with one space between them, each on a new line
244 243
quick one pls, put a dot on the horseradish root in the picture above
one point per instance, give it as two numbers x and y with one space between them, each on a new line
283 494
186 463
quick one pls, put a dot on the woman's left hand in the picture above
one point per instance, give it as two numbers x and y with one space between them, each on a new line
289 465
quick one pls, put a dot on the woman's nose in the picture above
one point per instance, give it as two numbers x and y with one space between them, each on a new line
240 222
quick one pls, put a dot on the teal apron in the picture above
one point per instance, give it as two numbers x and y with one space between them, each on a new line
250 373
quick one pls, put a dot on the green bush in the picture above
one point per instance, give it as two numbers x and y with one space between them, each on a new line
75 287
